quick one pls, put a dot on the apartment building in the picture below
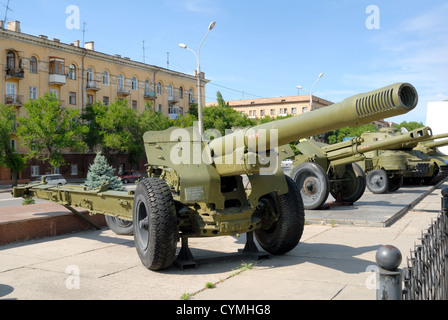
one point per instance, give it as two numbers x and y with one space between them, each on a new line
277 106
34 65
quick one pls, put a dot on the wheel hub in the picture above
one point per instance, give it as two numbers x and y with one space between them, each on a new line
310 186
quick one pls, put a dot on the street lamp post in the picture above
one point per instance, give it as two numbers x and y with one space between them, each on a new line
198 71
311 90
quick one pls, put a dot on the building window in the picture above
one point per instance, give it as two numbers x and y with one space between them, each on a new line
11 89
90 75
72 72
262 113
57 66
34 171
272 112
304 109
190 96
159 108
134 104
72 97
159 88
33 65
181 93
33 93
105 78
74 169
106 101
134 83
294 110
54 92
10 60
90 99
121 82
170 92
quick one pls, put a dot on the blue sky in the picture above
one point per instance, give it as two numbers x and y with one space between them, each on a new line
266 48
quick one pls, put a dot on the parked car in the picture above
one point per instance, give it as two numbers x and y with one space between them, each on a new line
52 179
129 176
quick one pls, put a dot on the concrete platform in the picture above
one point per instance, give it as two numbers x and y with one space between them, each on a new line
332 262
374 210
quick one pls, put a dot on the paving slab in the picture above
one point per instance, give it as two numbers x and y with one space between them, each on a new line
332 262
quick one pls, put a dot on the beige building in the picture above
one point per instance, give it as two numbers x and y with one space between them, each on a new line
34 65
274 107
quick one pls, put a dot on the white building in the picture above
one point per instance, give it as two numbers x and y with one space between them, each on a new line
437 119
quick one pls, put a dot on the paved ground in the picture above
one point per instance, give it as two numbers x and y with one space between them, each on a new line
333 261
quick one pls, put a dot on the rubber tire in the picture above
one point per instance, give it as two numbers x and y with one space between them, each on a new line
353 172
395 183
321 181
120 226
384 180
286 232
156 245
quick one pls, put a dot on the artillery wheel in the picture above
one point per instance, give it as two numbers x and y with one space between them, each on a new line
155 224
120 226
282 233
395 183
313 184
355 186
378 181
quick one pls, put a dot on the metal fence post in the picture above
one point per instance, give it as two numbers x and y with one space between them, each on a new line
445 216
388 259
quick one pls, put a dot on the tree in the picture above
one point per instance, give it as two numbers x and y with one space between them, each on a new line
410 126
221 117
48 128
100 172
349 132
8 155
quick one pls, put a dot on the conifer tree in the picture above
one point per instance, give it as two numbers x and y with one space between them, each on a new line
99 172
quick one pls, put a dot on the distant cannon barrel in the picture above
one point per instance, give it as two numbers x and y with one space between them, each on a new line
435 144
360 109
361 147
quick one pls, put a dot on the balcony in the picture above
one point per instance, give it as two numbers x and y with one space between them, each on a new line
57 79
150 95
173 99
13 100
17 74
57 71
123 92
93 86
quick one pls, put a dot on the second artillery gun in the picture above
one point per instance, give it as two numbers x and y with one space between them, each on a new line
195 187
387 168
438 162
322 169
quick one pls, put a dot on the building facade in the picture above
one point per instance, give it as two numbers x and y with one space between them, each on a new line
278 106
34 65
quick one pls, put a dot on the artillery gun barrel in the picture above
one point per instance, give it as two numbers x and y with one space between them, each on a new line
436 144
360 109
361 147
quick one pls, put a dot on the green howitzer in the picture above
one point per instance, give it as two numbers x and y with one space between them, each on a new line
195 186
387 168
438 161
322 169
